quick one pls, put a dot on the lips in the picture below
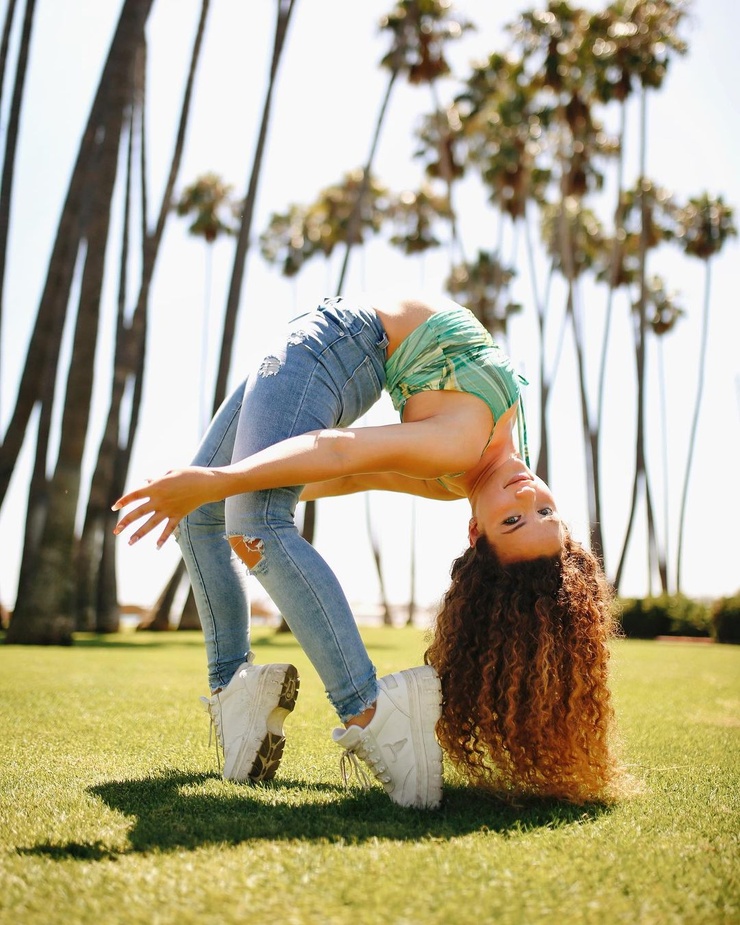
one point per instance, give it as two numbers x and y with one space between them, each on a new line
521 477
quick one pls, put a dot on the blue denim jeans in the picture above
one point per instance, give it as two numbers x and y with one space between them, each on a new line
327 373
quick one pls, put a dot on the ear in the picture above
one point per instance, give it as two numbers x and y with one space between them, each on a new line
473 531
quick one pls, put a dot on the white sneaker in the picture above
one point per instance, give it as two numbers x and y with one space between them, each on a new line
248 717
399 744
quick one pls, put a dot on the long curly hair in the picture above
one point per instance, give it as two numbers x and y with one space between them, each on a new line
522 653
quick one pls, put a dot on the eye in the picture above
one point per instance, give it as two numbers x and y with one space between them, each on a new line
545 511
510 521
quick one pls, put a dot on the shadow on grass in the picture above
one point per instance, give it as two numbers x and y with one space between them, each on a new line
133 640
185 639
175 811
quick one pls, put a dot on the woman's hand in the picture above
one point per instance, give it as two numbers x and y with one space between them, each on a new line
167 500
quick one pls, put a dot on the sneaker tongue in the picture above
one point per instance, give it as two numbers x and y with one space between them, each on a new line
348 737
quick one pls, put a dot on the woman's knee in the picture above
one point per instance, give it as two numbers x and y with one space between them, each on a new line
259 522
250 549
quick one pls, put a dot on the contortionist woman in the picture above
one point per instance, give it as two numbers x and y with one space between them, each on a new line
515 682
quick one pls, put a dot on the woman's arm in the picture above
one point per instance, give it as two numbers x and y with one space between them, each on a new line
379 481
423 449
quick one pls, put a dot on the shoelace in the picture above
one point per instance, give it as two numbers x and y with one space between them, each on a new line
350 766
212 727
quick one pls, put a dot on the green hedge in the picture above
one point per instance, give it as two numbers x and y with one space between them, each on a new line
725 619
666 615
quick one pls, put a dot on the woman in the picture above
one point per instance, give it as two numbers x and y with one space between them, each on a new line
286 436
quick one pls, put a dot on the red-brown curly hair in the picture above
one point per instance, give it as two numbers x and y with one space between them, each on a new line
522 653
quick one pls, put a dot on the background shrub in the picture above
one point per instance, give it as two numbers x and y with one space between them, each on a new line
666 615
725 619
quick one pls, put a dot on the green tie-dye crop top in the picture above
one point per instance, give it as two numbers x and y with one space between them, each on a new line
452 351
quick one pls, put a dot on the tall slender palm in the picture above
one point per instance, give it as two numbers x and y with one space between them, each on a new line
482 285
705 225
502 126
558 64
645 221
634 43
89 558
97 585
304 232
11 135
284 12
210 204
664 315
419 31
45 610
4 43
160 614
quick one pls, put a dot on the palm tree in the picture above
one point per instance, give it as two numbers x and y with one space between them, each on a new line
90 550
45 609
482 286
10 145
419 30
502 126
634 42
159 618
704 226
11 136
665 315
557 66
96 563
209 199
284 12
304 232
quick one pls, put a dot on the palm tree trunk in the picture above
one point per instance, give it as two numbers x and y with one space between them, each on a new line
112 465
353 225
89 550
46 612
640 335
45 342
590 436
285 9
694 426
159 616
615 266
375 546
11 137
5 42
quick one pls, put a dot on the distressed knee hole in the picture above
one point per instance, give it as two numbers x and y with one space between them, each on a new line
295 338
270 366
249 550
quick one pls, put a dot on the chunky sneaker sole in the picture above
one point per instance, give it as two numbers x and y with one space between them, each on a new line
400 745
248 716
279 683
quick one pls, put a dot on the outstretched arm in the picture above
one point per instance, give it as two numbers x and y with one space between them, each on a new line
420 449
379 481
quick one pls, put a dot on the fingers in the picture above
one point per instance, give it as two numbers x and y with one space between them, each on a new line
153 521
162 503
127 499
168 531
136 514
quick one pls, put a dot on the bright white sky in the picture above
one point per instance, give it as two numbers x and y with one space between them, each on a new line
329 93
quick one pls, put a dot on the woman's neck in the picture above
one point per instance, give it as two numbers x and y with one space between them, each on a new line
501 449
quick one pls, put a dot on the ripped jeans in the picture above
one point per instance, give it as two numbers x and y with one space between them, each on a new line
327 373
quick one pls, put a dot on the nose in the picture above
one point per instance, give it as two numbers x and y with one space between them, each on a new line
526 492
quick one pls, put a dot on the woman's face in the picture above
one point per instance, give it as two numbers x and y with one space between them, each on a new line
516 512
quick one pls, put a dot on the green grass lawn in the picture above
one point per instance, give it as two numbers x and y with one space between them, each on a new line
112 809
